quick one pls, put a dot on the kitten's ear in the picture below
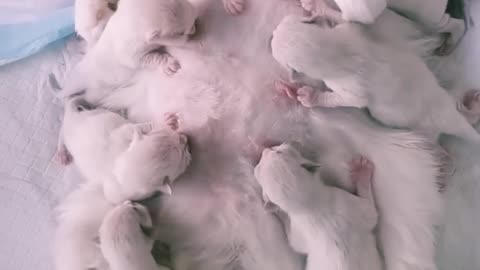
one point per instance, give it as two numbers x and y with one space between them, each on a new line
323 20
136 137
310 167
165 188
144 216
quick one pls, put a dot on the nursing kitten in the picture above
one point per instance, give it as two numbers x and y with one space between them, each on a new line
132 161
333 227
396 86
151 164
138 35
431 15
124 238
91 17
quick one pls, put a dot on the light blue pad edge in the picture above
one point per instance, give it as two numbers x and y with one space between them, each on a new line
18 41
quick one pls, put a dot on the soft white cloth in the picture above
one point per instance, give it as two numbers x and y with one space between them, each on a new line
30 183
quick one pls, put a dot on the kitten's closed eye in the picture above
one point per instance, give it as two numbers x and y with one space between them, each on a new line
312 168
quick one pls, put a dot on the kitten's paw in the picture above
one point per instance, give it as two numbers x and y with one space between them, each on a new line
172 66
234 7
361 171
63 156
470 106
171 119
283 88
308 96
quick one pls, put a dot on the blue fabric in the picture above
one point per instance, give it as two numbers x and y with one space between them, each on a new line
20 40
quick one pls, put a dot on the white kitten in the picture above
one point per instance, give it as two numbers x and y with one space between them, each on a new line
137 35
124 241
151 164
429 14
432 17
91 17
133 161
332 226
396 86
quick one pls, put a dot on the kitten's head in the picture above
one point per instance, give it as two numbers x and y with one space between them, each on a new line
286 177
163 20
124 220
152 163
297 44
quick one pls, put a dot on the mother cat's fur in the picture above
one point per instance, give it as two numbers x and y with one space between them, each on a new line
216 219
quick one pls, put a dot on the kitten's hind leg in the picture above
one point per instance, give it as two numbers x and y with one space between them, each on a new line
171 121
62 155
169 63
469 106
310 97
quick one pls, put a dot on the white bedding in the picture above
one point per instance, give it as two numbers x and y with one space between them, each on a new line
31 184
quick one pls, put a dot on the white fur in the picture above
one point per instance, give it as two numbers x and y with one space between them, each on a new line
458 238
91 17
76 244
333 227
131 161
133 39
123 241
431 16
396 86
216 220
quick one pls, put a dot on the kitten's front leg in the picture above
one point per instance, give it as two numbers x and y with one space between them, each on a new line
171 121
155 58
361 174
234 7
